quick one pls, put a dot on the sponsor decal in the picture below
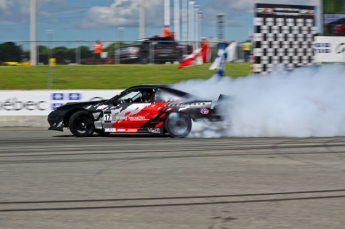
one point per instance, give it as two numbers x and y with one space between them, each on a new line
126 130
56 105
17 105
154 130
204 111
136 118
107 117
109 129
61 96
264 10
340 48
74 96
323 47
57 96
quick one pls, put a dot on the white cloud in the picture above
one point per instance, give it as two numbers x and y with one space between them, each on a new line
18 11
123 13
5 5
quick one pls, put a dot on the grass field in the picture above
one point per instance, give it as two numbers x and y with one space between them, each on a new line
107 76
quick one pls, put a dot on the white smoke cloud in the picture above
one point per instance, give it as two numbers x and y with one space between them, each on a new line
123 13
307 102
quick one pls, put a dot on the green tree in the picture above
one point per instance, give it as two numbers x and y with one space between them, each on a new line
9 51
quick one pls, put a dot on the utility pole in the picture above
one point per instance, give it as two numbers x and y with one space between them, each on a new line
177 19
167 12
33 48
50 70
142 20
184 20
191 21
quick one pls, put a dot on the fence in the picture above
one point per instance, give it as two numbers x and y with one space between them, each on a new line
114 52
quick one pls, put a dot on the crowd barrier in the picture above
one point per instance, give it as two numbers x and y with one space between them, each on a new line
20 108
81 52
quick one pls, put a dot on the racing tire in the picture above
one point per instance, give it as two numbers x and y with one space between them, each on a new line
81 124
102 133
178 125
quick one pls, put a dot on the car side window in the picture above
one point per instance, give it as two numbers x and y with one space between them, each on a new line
166 96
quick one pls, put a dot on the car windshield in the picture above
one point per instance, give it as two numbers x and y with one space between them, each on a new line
130 95
140 42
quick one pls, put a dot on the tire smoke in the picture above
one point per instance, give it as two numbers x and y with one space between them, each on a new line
306 102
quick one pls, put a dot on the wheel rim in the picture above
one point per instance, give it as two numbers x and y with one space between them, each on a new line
83 124
178 125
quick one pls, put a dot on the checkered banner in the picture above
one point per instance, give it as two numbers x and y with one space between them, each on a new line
284 34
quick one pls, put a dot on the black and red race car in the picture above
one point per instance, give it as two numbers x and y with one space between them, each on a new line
157 109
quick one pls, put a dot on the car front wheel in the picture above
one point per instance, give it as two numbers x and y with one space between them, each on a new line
81 124
178 125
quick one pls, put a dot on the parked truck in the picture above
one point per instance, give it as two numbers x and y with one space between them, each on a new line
153 50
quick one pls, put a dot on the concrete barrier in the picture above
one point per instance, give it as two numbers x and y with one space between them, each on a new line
24 121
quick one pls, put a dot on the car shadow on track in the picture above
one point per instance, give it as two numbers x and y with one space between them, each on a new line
118 136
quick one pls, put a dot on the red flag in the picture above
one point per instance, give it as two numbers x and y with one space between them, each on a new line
192 59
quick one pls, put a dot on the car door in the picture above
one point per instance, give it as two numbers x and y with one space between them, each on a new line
127 114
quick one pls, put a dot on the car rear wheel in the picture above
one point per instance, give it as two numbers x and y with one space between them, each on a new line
81 124
178 125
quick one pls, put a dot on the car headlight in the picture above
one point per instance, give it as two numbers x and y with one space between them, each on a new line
133 50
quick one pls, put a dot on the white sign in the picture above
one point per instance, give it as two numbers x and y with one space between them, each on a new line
18 103
329 49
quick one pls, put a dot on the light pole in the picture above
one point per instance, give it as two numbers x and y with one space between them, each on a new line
196 23
121 31
191 21
177 19
184 20
77 52
33 48
50 72
142 20
167 12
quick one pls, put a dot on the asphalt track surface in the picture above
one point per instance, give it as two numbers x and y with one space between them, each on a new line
54 180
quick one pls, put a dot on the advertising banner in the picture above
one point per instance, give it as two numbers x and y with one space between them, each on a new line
32 103
329 49
333 17
284 34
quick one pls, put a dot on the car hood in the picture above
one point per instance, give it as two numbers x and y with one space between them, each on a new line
70 105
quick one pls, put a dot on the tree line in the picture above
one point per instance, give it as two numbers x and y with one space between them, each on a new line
11 52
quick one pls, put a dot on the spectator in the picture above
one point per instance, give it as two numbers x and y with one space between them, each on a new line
97 50
166 31
246 49
205 47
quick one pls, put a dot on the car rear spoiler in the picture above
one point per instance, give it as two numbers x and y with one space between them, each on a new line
222 98
225 97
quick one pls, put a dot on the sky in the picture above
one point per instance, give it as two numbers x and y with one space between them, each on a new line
92 20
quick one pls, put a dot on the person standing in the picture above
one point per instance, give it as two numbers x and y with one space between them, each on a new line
166 31
205 47
246 48
97 50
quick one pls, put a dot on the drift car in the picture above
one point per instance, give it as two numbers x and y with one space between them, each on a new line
157 109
